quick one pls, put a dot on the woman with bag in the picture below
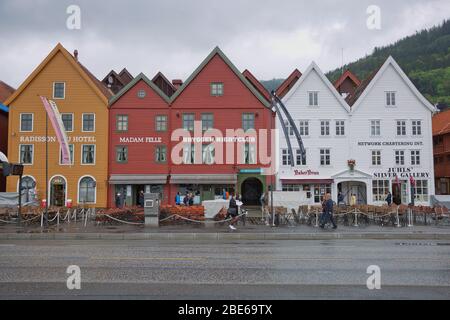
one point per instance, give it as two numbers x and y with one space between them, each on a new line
232 212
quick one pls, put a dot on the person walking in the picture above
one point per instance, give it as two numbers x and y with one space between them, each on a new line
141 199
186 199
178 198
118 200
353 200
340 198
232 212
388 198
328 212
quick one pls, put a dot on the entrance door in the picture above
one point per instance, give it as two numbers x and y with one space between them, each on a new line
58 192
251 190
400 192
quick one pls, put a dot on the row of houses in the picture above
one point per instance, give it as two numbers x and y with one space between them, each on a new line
361 137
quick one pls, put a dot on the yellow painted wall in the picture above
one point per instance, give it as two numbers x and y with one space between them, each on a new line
80 98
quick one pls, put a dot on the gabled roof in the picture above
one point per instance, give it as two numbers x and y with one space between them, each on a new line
314 67
288 83
163 77
125 76
133 82
441 123
369 83
113 73
256 84
347 74
93 82
213 53
5 91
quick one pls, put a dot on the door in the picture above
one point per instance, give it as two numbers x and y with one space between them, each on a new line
251 190
58 192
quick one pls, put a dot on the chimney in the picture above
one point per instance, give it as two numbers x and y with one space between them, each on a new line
75 54
177 83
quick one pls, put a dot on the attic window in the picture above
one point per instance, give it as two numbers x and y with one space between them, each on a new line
141 94
217 89
59 90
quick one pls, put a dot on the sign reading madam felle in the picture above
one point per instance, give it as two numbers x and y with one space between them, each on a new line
401 173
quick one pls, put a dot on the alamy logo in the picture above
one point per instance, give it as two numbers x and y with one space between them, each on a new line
73 21
74 280
374 280
374 19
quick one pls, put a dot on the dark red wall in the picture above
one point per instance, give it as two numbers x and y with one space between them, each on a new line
3 144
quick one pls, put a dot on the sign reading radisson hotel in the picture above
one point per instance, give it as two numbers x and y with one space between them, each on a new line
53 139
402 173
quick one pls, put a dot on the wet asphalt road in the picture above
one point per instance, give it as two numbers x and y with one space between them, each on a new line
225 270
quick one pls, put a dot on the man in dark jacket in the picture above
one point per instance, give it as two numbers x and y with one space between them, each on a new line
328 212
389 199
141 199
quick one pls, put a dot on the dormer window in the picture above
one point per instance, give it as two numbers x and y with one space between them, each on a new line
313 98
217 89
390 99
59 90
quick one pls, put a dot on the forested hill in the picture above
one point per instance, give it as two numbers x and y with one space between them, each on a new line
424 56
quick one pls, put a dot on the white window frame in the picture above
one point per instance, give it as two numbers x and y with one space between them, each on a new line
78 190
73 120
403 156
401 131
303 127
73 155
32 153
20 122
390 105
315 98
378 156
417 155
324 155
285 154
53 89
341 127
95 155
416 126
325 128
82 121
298 154
373 124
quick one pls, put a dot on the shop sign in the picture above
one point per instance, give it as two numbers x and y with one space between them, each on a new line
389 143
401 173
140 139
306 173
53 139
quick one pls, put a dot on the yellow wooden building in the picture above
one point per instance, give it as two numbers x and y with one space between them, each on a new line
82 101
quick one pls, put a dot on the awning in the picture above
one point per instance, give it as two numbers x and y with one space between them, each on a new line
203 179
138 179
307 181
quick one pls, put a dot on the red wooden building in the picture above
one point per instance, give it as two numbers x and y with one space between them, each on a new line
216 96
441 150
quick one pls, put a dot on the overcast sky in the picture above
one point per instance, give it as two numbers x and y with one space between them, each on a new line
270 38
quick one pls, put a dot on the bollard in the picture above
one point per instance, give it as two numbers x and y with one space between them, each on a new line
356 218
86 217
42 220
57 220
398 220
317 219
410 218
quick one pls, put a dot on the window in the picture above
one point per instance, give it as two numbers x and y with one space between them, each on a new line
88 154
161 154
324 128
121 154
390 99
421 191
161 123
217 89
376 157
291 187
313 98
303 128
340 128
122 122
285 157
248 121
208 153
26 122
325 157
189 154
141 94
289 128
87 190
415 157
380 188
401 128
207 121
416 127
88 122
67 119
375 128
299 160
399 157
26 153
59 90
188 121
250 153
70 153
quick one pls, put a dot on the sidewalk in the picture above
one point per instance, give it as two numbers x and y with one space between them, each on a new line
248 232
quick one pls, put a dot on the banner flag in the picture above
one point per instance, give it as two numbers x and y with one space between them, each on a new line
58 126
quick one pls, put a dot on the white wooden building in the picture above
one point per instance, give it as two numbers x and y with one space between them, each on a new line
384 128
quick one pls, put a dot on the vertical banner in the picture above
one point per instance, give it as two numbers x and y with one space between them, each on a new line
55 118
